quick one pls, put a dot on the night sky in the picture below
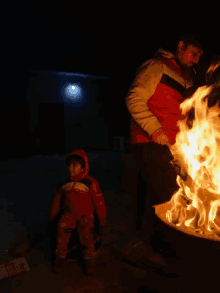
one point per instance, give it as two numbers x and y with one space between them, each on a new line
102 38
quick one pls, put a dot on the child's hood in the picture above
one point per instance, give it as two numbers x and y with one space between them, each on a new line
82 154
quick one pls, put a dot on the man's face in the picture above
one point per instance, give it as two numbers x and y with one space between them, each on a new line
188 56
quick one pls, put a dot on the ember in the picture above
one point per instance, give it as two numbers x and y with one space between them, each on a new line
196 205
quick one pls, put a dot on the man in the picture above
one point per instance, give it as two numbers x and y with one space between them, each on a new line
153 101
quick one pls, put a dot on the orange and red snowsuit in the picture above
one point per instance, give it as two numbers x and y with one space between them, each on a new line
81 197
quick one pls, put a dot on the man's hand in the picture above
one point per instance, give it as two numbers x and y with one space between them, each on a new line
160 137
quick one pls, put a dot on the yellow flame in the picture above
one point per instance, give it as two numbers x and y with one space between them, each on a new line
197 148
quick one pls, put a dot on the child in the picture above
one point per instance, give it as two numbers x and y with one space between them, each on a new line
81 197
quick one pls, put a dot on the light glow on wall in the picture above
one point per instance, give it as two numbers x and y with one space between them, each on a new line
73 92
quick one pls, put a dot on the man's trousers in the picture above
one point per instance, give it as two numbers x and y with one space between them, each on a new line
158 183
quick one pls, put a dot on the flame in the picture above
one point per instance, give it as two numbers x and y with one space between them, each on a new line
196 205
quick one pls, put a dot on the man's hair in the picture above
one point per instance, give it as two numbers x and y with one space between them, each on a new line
171 42
193 40
75 159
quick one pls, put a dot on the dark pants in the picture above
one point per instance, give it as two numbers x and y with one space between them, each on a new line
157 184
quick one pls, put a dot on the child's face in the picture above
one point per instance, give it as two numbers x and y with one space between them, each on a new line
74 169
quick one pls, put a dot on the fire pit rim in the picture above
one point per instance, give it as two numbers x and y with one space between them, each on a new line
160 211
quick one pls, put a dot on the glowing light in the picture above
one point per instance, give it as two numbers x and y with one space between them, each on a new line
73 92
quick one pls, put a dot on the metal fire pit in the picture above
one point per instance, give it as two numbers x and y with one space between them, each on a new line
161 210
197 256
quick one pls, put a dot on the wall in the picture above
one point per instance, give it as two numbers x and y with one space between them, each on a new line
83 121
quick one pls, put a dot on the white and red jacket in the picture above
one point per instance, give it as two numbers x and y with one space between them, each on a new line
80 196
154 97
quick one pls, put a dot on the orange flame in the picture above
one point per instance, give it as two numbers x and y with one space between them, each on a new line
196 205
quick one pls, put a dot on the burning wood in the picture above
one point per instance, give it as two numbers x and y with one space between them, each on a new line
196 205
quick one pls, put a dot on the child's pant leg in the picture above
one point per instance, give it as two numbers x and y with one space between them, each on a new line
66 222
86 235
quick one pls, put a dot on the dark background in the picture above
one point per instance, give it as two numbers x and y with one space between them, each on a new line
98 39
103 39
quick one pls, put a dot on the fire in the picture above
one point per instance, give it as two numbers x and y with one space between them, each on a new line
196 205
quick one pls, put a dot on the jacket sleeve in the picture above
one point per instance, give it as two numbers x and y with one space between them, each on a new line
141 90
55 206
98 200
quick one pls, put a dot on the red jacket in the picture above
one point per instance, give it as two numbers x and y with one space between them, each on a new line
155 96
80 195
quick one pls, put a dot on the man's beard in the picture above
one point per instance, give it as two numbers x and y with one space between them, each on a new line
190 65
187 66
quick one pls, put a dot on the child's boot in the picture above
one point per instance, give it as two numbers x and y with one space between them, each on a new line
59 261
90 266
58 265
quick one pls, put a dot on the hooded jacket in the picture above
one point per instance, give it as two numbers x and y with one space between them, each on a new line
154 97
79 195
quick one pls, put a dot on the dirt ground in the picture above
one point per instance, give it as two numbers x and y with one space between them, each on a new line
112 275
